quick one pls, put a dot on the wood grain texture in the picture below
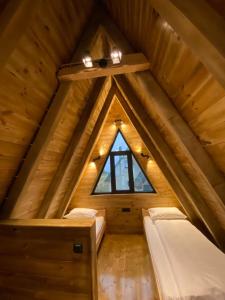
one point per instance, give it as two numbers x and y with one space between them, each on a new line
125 270
40 262
190 20
30 77
85 156
93 105
199 98
15 19
113 204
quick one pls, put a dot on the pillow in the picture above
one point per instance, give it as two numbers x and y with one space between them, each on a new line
80 213
166 213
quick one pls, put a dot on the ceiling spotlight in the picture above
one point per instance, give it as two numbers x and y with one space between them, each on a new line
116 55
118 122
87 60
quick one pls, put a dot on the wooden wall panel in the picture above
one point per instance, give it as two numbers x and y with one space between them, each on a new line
55 151
28 80
118 221
40 262
79 151
192 89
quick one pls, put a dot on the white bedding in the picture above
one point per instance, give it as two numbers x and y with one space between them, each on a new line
187 265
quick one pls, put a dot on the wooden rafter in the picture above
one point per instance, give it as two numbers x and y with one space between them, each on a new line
130 63
202 28
67 162
186 191
15 19
47 129
86 155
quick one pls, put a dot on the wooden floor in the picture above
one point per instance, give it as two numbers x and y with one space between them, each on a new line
124 269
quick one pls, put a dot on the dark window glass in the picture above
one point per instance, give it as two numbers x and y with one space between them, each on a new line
104 183
120 144
141 183
121 172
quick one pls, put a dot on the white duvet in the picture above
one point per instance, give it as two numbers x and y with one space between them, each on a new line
187 265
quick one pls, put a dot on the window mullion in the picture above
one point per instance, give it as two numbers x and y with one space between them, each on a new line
130 171
113 177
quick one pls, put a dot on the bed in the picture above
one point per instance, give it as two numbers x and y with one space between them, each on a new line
187 265
99 216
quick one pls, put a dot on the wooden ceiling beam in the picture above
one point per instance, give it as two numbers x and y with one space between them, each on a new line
47 128
187 193
86 155
14 21
102 84
202 29
130 63
160 104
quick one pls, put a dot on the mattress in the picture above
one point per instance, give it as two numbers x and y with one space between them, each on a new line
186 264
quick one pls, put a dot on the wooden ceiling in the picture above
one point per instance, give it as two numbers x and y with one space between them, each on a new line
29 81
199 98
40 118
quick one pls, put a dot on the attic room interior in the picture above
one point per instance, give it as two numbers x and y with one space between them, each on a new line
112 149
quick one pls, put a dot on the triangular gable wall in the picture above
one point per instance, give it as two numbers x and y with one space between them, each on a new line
83 197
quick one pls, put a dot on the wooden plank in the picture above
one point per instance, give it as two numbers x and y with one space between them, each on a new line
48 126
191 19
71 151
36 273
129 63
86 155
14 21
187 193
198 158
126 280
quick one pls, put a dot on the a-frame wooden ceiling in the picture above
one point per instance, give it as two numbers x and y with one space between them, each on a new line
179 104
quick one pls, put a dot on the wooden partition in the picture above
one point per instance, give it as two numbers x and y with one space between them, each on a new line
40 259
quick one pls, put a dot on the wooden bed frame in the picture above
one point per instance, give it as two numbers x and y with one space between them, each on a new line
101 213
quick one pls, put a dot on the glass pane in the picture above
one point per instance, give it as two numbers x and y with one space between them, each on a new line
104 183
121 173
141 183
120 144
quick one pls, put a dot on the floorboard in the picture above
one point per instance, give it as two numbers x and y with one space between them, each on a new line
124 269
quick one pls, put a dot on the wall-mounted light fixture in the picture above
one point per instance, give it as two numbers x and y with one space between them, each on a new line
118 122
145 155
116 55
87 60
96 158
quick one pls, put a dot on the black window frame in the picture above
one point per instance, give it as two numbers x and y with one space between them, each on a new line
111 154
